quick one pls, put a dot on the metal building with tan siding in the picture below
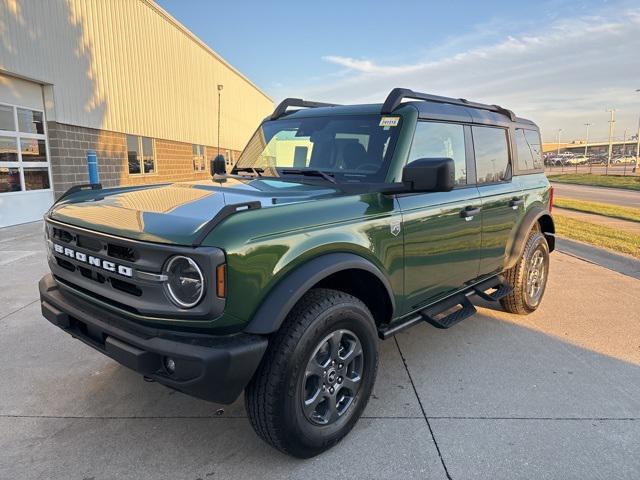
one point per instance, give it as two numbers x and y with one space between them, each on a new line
123 78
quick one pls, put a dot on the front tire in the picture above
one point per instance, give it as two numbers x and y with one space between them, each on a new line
528 277
317 375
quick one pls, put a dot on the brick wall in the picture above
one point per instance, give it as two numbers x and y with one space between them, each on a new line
68 146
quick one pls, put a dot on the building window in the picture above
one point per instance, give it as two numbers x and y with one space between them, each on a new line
24 163
140 155
441 140
199 158
492 154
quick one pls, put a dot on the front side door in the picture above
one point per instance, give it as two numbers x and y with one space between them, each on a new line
502 200
442 230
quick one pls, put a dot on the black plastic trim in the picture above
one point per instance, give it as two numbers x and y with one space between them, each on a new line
520 239
78 188
214 368
289 290
224 212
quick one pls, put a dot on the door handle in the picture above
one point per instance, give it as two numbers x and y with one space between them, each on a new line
469 212
516 202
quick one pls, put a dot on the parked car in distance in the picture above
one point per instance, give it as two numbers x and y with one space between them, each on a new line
576 160
337 227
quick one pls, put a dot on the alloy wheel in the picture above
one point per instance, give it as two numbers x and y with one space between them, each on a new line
333 377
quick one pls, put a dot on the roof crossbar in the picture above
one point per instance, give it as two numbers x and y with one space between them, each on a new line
281 109
396 96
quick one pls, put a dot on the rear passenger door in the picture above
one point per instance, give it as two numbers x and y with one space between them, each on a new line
501 198
442 246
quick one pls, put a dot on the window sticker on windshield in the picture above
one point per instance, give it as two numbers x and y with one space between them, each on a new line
389 121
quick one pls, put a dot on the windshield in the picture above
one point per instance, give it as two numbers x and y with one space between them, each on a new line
346 148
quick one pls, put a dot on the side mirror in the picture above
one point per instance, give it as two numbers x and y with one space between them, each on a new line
218 165
429 175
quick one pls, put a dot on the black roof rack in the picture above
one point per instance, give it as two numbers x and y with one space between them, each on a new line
396 96
296 102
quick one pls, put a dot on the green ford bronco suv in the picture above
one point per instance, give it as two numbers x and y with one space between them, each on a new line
338 226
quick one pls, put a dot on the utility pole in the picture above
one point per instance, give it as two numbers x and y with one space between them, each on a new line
220 87
586 146
612 123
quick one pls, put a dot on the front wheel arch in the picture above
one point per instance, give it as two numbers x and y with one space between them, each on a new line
317 272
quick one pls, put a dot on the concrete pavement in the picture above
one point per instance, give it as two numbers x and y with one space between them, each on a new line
552 395
615 196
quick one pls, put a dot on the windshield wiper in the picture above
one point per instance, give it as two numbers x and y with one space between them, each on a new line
256 171
309 172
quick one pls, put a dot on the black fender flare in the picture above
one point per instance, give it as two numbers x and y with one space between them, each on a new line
286 293
533 216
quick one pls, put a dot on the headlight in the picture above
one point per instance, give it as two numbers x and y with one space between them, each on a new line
185 283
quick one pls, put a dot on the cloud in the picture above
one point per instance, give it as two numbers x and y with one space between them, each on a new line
564 74
368 66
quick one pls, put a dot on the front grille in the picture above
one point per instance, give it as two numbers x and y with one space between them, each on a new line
65 264
89 243
111 269
62 235
121 253
126 287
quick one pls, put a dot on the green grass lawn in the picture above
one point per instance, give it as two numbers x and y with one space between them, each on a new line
605 209
613 181
598 235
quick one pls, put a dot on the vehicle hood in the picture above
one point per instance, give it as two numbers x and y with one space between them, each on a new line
175 213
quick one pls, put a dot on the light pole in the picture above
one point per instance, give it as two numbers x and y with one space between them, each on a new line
586 146
220 87
635 168
612 123
558 145
624 152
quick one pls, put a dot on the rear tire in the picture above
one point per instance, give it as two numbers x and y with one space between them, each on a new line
303 399
528 277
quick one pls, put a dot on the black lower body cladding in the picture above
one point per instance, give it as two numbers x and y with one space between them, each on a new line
214 368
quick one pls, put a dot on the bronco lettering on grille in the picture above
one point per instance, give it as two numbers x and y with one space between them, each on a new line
93 261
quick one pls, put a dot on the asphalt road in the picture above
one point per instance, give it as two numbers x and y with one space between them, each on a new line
615 196
555 395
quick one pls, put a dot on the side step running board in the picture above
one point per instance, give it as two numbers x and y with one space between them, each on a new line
439 318
442 314
500 289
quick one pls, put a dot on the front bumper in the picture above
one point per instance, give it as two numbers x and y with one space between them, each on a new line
214 368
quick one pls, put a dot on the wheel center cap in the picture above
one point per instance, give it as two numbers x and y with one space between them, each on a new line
331 376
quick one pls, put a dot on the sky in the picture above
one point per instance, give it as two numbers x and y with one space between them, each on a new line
559 63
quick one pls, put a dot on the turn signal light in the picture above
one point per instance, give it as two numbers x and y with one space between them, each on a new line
550 199
221 280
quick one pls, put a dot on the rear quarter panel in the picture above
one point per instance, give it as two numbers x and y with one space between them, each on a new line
536 189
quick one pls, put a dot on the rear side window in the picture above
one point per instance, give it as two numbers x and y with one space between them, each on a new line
441 140
492 154
529 151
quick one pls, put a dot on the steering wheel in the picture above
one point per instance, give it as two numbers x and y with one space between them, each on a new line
368 166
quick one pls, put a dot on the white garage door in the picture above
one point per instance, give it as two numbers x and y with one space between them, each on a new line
25 174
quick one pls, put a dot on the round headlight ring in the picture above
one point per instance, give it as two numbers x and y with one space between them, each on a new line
170 291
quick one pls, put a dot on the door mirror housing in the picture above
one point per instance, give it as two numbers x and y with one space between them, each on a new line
218 165
429 175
